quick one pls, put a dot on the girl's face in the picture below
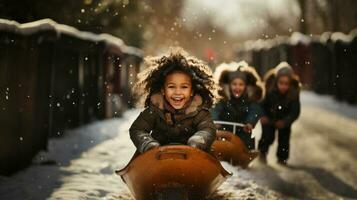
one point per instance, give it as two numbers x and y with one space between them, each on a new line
178 89
237 87
283 84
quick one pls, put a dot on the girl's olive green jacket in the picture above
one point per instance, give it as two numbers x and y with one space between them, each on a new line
157 124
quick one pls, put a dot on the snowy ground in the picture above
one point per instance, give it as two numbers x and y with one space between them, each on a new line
323 162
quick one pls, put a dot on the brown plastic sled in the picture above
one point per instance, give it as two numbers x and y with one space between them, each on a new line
173 172
229 147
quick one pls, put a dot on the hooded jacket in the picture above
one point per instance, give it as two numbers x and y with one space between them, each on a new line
157 124
277 106
244 109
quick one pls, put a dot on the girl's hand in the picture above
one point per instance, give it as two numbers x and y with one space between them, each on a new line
150 145
247 128
264 120
197 142
279 124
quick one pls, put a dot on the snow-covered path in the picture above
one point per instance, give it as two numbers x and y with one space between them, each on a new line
323 163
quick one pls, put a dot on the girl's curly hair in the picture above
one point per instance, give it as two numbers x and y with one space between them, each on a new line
151 80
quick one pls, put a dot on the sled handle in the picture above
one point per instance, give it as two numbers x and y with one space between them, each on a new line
171 155
234 124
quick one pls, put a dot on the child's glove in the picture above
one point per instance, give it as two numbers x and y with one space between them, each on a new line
149 146
264 120
247 128
279 124
197 141
218 126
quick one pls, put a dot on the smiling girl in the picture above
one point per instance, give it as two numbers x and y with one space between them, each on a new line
242 88
178 91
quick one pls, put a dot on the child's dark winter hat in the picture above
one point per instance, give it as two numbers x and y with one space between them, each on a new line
284 69
237 74
225 73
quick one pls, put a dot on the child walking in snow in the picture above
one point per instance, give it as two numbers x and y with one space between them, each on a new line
242 89
281 107
178 91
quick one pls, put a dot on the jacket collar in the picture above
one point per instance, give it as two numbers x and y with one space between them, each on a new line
158 100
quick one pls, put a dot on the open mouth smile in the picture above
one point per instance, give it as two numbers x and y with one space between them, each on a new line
177 100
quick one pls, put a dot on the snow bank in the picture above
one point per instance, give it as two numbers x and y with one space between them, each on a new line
242 186
85 160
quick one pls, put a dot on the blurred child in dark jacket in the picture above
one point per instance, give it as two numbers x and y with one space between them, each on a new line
281 107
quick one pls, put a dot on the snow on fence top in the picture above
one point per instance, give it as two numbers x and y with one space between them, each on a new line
281 39
299 38
324 37
258 44
50 25
339 36
353 33
264 43
294 39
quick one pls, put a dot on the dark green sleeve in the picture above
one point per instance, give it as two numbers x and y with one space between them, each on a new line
205 127
141 128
